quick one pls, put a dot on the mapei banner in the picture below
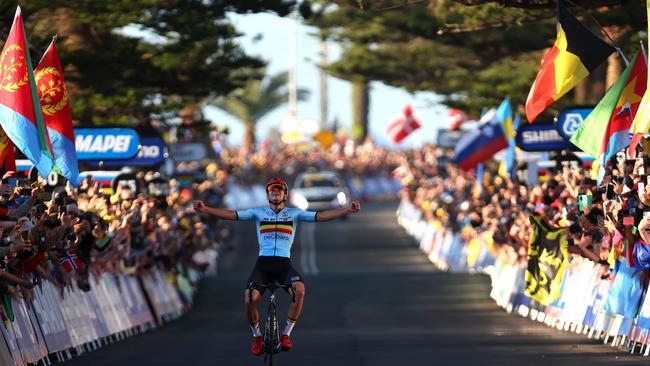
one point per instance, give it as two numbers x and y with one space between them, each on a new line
106 143
152 152
541 137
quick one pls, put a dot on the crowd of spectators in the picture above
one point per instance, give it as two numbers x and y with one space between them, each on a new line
601 222
74 233
287 161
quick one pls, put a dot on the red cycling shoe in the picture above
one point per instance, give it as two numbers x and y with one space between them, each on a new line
285 342
256 346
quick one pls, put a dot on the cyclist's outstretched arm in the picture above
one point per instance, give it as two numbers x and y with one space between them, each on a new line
328 215
222 213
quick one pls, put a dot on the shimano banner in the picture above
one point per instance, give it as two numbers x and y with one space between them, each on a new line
569 119
541 137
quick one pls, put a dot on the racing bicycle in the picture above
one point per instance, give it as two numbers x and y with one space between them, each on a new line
271 333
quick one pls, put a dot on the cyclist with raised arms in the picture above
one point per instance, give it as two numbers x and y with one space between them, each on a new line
276 229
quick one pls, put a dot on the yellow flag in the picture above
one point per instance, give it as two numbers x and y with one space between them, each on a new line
641 123
325 138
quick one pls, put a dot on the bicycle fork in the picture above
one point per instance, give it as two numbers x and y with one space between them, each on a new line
273 335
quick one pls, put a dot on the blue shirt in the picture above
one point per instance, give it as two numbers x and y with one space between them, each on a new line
276 230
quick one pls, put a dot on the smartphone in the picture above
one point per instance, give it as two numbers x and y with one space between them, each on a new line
584 201
609 192
639 163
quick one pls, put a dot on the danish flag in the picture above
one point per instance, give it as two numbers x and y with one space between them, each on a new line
402 126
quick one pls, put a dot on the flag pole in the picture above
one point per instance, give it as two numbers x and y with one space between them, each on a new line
645 56
620 53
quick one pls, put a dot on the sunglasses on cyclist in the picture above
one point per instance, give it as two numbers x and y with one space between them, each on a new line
275 187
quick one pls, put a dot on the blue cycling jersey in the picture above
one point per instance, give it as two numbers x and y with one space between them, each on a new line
276 230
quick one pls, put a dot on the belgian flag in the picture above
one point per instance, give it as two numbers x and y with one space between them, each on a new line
576 53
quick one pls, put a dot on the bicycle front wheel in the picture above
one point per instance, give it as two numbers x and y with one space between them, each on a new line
271 335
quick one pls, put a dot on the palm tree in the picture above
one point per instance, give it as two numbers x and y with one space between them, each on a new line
256 99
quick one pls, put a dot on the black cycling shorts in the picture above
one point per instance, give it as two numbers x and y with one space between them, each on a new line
269 269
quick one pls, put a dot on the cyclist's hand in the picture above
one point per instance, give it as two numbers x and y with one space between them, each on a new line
198 206
355 206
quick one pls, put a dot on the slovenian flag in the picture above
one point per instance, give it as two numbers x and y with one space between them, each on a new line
57 115
576 53
482 143
20 113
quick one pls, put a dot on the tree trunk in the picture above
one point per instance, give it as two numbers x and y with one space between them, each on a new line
614 69
580 94
360 104
249 136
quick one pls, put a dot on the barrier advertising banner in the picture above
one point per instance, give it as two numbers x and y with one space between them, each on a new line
106 143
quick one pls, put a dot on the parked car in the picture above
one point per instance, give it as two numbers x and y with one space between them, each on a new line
318 191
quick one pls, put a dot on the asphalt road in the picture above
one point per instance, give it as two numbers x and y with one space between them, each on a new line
375 300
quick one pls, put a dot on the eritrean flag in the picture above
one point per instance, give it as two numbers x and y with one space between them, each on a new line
20 113
55 105
605 131
285 227
576 53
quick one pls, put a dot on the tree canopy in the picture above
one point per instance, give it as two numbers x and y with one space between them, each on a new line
128 60
471 52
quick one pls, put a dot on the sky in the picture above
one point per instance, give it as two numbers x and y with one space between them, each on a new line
267 36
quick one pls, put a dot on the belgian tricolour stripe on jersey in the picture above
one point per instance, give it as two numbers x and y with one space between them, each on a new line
276 227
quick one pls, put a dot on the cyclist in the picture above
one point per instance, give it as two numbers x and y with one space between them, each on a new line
276 228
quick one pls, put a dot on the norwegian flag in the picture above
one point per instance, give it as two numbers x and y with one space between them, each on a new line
402 126
456 117
71 261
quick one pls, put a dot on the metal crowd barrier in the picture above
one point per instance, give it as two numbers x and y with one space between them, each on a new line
56 325
617 311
